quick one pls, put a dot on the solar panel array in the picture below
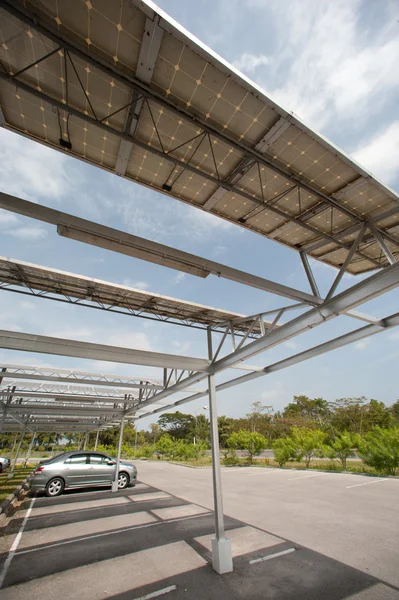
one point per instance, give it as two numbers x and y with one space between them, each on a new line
125 89
38 280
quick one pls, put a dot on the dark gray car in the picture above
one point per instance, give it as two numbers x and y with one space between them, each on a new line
80 469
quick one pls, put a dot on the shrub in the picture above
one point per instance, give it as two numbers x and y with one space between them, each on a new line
308 442
253 443
285 450
341 448
380 449
165 445
148 450
230 457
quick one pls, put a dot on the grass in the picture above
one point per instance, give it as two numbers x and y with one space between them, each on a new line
7 486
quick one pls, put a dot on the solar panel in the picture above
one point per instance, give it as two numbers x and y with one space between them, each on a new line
125 88
22 276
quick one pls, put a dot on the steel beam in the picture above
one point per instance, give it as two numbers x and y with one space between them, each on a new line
309 274
150 45
222 558
346 262
366 290
334 344
118 459
27 342
383 245
131 245
77 377
11 474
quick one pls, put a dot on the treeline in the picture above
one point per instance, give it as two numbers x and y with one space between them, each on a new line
354 415
306 429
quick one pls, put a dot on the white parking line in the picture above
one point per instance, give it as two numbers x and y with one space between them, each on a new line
118 531
307 476
162 592
367 483
270 556
15 544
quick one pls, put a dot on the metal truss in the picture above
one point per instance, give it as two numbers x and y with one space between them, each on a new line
252 157
332 307
93 303
333 344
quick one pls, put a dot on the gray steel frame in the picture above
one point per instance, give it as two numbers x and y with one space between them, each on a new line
186 371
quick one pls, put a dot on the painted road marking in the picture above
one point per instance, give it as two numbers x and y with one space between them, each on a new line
270 556
307 476
15 545
119 531
367 483
162 592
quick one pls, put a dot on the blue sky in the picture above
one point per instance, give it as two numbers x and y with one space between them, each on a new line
331 62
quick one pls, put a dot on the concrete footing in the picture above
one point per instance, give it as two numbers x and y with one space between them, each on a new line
222 558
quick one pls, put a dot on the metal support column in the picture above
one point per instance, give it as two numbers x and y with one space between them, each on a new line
115 482
97 436
17 454
135 441
222 558
86 440
30 448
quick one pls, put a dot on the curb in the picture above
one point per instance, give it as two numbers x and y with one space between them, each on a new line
17 494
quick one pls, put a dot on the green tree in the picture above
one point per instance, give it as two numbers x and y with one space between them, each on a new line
316 409
165 445
252 442
349 415
148 450
341 447
179 425
284 450
155 433
394 410
257 415
377 415
202 431
225 428
308 442
380 449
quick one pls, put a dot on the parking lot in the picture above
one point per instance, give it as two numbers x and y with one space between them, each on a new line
295 534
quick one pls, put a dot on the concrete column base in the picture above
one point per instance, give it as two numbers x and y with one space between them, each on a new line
222 557
114 486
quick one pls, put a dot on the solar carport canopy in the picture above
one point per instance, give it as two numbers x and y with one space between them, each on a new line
16 275
127 89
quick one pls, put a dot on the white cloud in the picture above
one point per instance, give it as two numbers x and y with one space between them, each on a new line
362 344
219 250
291 345
179 277
31 170
28 233
380 154
327 63
126 339
248 63
181 347
139 285
7 218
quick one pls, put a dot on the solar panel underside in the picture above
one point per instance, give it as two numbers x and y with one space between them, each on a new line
40 280
130 92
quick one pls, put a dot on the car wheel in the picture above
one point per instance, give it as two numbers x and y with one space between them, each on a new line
123 481
55 487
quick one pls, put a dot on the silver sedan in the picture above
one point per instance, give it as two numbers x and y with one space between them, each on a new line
80 469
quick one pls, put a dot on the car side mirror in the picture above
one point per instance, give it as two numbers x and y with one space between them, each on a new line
110 462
